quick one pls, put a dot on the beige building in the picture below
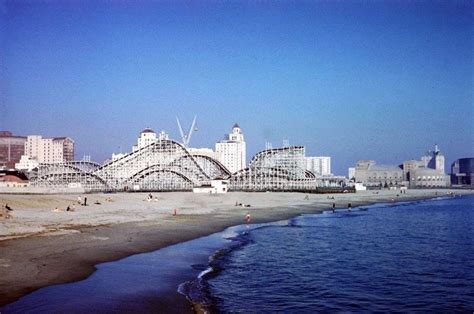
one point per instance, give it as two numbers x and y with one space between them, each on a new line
427 177
49 150
369 173
426 172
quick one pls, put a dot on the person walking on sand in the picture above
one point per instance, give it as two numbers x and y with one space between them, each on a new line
247 217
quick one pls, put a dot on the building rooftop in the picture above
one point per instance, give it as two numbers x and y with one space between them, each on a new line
10 134
148 130
383 168
236 125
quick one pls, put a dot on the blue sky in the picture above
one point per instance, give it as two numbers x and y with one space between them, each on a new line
382 80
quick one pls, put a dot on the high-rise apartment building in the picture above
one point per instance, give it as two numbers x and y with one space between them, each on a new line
49 150
11 149
320 166
231 151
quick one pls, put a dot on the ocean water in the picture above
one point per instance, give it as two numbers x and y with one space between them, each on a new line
404 257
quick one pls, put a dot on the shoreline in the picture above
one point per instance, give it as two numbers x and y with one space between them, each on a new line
69 250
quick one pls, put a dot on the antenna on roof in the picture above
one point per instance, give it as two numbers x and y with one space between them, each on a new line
186 138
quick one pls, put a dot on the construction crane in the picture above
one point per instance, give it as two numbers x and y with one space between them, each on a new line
186 138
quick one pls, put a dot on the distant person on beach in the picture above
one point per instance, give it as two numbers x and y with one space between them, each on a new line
79 200
333 207
85 201
68 208
247 217
349 206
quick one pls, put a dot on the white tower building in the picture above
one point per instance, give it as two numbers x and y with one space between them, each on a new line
319 165
231 152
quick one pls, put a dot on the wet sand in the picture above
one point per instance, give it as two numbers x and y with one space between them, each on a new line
40 247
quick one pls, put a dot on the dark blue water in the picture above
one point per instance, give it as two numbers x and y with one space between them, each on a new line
405 257
401 257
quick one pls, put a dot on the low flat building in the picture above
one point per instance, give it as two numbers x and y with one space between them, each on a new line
428 178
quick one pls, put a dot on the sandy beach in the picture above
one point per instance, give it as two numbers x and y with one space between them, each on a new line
42 244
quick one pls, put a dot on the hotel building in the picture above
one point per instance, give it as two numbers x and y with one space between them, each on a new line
231 151
49 150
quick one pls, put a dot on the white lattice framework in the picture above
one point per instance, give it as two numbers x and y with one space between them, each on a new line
276 169
63 175
166 165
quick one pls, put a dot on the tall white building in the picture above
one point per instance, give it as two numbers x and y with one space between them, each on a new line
49 150
319 165
231 151
351 172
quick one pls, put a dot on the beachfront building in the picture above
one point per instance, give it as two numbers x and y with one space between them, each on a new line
320 166
428 178
231 151
370 174
428 171
12 147
50 149
423 173
462 172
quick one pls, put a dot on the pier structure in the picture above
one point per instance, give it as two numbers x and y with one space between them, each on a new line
166 165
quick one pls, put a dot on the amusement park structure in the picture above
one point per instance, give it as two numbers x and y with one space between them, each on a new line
166 165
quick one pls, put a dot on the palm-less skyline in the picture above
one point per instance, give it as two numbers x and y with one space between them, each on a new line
352 80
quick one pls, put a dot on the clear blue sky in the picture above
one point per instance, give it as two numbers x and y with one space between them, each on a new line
382 80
